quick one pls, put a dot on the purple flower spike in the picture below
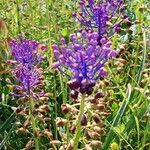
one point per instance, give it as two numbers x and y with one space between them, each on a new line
27 55
103 15
29 79
26 51
82 60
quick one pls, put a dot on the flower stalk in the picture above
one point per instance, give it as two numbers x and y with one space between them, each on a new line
78 124
33 123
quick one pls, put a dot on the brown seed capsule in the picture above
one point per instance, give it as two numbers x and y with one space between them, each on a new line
60 122
55 142
96 118
43 108
95 144
49 95
29 145
18 110
43 99
100 107
63 147
21 113
48 133
105 113
87 147
106 82
72 129
22 130
93 135
70 145
101 131
97 129
65 109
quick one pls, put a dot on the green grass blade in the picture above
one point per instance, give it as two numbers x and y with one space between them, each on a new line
119 115
6 124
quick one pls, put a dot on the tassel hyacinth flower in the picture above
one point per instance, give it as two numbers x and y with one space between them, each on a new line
26 51
27 55
103 16
83 60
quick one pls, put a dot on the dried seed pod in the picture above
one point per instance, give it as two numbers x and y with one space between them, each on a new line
22 130
48 94
87 147
63 147
46 119
18 110
70 145
48 133
97 129
26 123
43 108
60 122
55 142
29 145
106 82
100 107
102 132
22 100
93 100
93 135
95 144
72 129
122 48
65 108
40 117
43 99
105 114
74 111
96 118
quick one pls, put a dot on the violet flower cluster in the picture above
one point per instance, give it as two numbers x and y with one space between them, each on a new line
27 54
103 16
83 60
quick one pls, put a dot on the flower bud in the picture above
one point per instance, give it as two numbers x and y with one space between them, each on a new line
74 94
99 95
83 120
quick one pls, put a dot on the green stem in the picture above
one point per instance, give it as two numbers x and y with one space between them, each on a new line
18 17
78 125
33 123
